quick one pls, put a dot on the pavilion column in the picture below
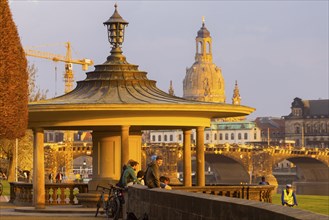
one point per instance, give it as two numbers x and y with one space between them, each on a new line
200 156
124 144
38 169
187 166
106 158
135 146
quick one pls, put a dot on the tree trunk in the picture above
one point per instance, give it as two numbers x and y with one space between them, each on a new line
12 163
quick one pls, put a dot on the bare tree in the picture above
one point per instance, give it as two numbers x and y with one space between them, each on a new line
35 93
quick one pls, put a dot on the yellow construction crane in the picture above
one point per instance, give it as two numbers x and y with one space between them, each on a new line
68 75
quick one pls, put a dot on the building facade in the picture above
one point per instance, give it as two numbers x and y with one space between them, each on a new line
241 132
272 130
308 123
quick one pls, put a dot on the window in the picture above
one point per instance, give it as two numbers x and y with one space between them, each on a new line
297 130
171 137
220 136
165 137
51 137
239 136
179 137
255 136
208 47
215 136
159 138
199 47
226 136
297 112
207 137
232 136
246 136
153 137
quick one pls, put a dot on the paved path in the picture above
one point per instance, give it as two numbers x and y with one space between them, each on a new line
8 211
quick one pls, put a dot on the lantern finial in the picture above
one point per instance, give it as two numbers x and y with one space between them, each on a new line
115 30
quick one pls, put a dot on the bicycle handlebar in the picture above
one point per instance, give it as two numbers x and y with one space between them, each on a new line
116 187
109 188
103 187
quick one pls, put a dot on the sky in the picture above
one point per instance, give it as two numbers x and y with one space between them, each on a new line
276 50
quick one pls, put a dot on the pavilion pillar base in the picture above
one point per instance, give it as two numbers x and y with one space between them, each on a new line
89 200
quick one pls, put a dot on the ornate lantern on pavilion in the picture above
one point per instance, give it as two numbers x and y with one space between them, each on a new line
115 29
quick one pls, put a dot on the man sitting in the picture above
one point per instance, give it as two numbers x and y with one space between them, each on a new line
129 175
263 182
164 181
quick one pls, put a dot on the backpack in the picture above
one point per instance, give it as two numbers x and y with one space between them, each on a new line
120 183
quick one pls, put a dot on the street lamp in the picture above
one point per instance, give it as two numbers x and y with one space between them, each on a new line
115 30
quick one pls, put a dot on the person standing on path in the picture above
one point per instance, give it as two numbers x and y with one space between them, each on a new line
288 197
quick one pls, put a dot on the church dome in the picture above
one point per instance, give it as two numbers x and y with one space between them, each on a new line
203 32
203 80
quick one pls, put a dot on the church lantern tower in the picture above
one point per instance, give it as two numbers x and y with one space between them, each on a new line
203 80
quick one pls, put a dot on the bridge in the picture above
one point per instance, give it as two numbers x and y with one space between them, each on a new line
247 163
236 163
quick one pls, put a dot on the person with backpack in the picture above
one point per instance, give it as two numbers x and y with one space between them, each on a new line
129 176
124 167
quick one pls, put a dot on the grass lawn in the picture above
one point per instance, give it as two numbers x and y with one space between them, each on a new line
317 204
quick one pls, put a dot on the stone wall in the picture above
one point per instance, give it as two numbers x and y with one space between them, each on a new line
163 204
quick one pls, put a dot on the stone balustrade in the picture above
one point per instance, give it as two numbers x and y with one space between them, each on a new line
250 192
55 193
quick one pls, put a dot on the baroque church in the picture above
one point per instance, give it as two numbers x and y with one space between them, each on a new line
204 82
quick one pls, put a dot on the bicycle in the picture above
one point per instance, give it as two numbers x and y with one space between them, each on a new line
113 205
102 202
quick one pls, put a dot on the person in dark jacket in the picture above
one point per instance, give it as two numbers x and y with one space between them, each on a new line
263 182
152 174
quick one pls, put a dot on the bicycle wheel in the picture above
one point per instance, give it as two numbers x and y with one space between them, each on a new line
113 208
99 202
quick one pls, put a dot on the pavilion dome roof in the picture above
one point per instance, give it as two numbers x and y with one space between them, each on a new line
115 83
